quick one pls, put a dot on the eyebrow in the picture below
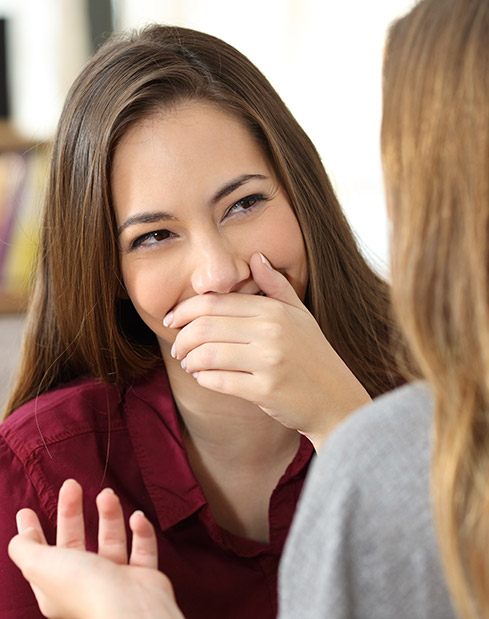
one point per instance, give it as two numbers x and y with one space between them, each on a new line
233 185
152 217
145 218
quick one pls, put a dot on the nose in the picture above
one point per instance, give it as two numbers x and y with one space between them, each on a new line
218 268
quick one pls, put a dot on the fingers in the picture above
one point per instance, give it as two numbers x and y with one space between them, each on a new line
269 282
27 520
272 282
112 542
229 357
239 384
212 329
144 551
70 532
238 305
23 550
271 327
62 579
29 551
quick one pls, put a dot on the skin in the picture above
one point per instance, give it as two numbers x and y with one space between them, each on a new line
197 265
248 372
162 165
70 583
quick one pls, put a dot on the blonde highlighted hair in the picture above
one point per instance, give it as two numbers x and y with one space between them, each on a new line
435 142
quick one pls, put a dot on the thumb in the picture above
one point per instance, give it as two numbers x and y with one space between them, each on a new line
23 549
272 282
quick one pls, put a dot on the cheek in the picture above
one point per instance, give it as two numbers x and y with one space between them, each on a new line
281 241
153 291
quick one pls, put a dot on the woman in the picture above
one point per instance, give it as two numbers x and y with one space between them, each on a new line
159 332
397 499
375 547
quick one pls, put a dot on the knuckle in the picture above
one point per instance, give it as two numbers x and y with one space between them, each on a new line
280 310
219 382
73 542
165 583
201 326
273 330
209 303
267 387
274 357
206 355
144 551
113 540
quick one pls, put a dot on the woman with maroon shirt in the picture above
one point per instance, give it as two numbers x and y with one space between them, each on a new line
197 284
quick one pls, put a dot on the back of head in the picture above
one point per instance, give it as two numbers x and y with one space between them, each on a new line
435 140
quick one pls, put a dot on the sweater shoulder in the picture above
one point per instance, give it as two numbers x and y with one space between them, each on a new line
395 425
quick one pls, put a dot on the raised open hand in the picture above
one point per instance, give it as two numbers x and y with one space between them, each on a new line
71 583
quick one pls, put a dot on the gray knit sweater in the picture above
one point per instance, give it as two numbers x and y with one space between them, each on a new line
363 543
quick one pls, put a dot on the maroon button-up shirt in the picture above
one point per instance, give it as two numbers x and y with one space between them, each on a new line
131 441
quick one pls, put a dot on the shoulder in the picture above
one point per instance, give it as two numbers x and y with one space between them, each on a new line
46 440
377 462
363 537
62 433
408 407
78 407
369 488
395 429
371 481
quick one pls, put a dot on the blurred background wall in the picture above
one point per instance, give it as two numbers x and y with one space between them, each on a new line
324 58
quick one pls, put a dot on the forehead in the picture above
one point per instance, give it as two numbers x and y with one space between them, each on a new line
187 133
179 156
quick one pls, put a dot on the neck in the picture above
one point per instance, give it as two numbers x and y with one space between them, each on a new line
228 428
237 452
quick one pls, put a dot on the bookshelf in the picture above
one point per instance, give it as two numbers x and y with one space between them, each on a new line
23 168
12 303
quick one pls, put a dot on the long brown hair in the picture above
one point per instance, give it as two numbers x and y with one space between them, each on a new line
79 322
435 138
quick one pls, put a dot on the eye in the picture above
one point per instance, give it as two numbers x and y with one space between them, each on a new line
155 237
245 205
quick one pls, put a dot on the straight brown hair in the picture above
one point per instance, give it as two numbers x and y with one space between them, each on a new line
435 138
79 322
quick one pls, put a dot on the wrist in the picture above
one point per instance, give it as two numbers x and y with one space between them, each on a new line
328 421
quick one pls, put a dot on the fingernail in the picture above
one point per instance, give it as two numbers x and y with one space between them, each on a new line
173 351
18 520
108 490
138 512
168 319
67 483
195 375
183 363
265 261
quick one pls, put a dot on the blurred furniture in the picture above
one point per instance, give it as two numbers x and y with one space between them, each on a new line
23 171
10 340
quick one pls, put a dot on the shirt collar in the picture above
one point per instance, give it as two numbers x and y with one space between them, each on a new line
154 428
155 431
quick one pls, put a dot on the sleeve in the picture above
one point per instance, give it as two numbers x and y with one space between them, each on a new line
16 491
